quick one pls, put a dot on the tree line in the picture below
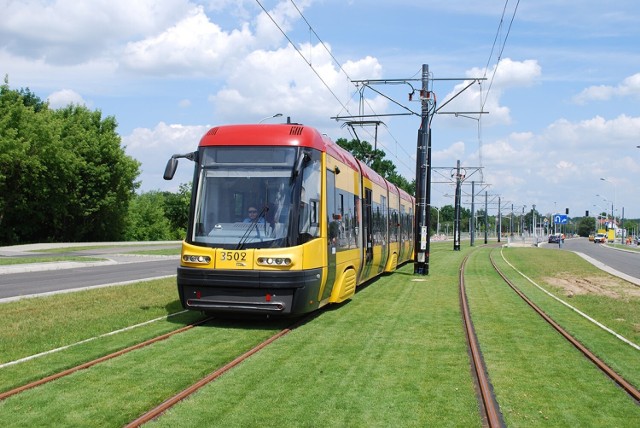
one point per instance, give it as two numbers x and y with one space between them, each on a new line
65 177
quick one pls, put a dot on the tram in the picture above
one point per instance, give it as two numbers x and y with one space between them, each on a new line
284 221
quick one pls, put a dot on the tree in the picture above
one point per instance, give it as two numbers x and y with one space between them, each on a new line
176 210
364 152
146 220
64 175
586 225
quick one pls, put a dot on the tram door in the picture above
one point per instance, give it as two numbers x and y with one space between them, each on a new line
333 219
367 226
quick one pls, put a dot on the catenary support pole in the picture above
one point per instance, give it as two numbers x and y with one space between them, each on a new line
422 228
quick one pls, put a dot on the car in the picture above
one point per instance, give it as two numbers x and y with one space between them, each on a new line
554 238
591 236
600 238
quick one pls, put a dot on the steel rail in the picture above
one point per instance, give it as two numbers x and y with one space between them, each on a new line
91 363
623 383
489 406
170 402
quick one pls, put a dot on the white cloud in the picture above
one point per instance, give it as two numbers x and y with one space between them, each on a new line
630 86
71 32
155 146
65 97
596 133
193 46
487 95
282 81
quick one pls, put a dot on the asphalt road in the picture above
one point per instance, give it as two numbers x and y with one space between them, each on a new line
38 279
30 283
627 262
124 269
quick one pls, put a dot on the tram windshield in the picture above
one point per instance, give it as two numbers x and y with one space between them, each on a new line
256 197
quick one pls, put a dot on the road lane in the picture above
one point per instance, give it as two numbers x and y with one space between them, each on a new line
627 262
40 282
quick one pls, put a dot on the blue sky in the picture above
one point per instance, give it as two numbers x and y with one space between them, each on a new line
563 100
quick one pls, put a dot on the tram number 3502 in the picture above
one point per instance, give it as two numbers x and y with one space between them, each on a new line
237 256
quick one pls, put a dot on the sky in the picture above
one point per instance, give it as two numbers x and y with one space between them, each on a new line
561 93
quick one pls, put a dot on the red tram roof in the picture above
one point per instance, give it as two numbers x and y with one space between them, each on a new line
291 134
264 135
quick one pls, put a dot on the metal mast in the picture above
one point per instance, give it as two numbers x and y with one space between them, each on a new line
422 242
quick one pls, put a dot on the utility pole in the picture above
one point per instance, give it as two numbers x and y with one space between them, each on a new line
456 223
472 220
422 217
499 220
422 230
486 218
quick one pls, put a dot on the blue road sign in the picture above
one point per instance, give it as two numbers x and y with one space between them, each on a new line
560 218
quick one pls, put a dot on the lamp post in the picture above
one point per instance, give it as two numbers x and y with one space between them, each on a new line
612 204
270 117
614 196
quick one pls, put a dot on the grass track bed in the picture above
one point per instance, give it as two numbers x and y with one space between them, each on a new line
393 356
539 379
620 314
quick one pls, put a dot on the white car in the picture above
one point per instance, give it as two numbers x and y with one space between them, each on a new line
600 238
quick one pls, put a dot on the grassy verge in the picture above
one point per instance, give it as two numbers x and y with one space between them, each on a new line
26 260
635 248
614 303
537 377
392 356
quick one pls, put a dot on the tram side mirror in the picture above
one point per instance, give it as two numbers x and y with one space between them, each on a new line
170 169
172 165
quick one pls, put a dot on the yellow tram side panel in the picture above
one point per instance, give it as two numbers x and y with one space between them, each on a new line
393 225
346 276
348 261
377 263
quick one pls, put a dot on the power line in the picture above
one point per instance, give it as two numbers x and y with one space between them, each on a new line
504 42
300 53
344 107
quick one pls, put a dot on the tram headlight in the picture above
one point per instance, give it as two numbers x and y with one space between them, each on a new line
274 261
192 258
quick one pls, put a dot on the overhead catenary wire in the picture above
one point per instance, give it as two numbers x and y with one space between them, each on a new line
301 54
308 62
504 43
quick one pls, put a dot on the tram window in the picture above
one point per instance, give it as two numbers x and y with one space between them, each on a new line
314 213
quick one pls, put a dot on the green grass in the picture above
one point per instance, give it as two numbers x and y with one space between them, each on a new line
26 260
394 355
539 379
621 313
124 246
161 252
635 248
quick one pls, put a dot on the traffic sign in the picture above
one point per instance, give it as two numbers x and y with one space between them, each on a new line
560 218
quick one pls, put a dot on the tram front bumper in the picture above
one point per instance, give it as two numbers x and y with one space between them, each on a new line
265 292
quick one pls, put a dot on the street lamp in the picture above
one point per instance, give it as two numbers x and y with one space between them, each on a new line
270 117
614 197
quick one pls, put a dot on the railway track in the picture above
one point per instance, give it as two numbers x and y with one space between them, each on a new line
623 383
167 404
172 401
489 407
91 363
490 411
